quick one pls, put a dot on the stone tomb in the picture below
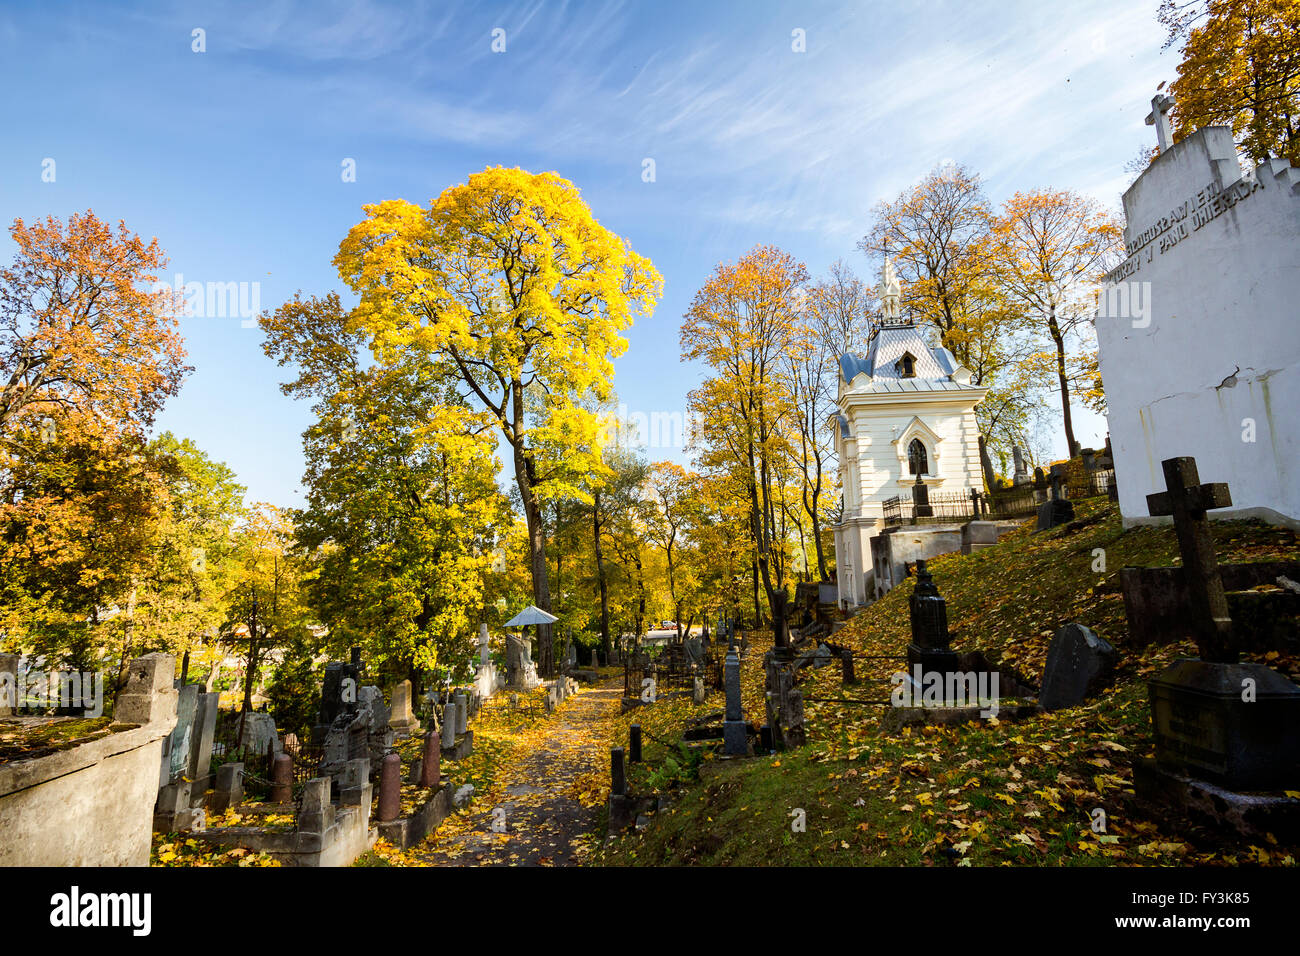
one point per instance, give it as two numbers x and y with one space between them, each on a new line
455 744
1216 720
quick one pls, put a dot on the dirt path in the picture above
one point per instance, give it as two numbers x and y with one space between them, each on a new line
538 794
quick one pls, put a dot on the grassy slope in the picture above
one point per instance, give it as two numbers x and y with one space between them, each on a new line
1020 793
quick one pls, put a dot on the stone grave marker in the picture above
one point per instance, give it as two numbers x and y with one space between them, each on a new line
403 720
1215 718
1079 664
735 733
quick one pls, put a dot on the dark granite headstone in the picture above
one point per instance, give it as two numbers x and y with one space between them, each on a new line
1079 664
1231 723
1205 725
929 612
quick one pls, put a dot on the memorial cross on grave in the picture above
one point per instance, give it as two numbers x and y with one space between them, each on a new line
1187 501
1161 104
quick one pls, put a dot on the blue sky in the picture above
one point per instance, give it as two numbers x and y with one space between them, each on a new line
232 157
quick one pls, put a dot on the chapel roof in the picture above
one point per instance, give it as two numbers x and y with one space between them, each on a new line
934 369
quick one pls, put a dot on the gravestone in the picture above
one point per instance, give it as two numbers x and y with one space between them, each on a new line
355 788
928 651
1057 510
282 779
1020 476
316 815
977 535
921 499
521 672
462 712
634 744
450 721
431 766
258 732
150 693
735 734
205 728
337 696
390 788
229 791
1079 664
403 721
1214 718
8 683
177 744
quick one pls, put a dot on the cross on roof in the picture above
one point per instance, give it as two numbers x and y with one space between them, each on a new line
1161 104
1187 500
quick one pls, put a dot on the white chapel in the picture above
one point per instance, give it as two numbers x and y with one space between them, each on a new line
905 409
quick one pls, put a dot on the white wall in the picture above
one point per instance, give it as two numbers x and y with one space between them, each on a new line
1224 301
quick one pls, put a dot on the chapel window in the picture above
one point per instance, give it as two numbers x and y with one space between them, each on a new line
918 462
907 366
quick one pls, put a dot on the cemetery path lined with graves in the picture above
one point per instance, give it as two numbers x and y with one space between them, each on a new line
545 802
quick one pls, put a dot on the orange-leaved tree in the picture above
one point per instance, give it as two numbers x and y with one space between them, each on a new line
81 328
1240 68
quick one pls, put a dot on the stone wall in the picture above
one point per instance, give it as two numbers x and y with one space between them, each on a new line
92 805
893 550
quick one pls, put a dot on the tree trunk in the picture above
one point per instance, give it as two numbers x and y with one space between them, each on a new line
1059 340
524 478
600 578
986 463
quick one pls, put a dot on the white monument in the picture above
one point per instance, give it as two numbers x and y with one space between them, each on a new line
906 409
1198 328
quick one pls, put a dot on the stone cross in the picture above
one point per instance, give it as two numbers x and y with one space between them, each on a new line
1159 118
1187 500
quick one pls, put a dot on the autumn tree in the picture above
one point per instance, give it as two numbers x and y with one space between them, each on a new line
88 355
401 497
838 310
80 331
1051 246
1240 68
939 235
741 324
511 284
667 484
179 596
265 600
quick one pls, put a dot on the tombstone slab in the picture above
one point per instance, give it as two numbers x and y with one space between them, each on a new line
205 728
1079 664
402 719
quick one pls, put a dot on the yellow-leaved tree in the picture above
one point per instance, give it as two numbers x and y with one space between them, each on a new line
742 324
509 284
1240 68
